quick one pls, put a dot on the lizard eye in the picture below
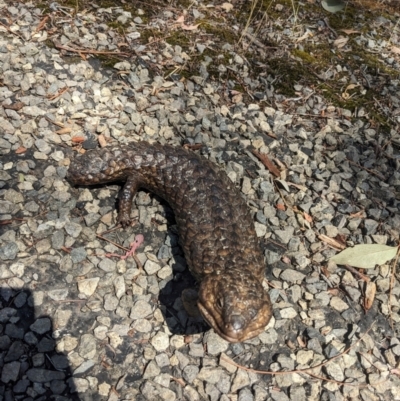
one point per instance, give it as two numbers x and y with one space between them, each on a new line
220 303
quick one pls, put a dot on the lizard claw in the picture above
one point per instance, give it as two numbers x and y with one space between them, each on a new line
124 219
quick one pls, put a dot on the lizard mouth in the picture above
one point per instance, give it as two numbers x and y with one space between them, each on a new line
237 329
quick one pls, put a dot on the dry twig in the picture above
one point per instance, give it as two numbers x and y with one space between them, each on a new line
356 272
89 51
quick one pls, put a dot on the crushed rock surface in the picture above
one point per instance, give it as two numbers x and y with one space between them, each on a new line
78 325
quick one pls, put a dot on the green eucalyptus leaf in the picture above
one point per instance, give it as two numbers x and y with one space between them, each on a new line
365 256
333 6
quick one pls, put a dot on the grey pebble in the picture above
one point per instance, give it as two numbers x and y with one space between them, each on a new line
20 299
73 229
196 350
60 362
140 309
57 386
39 375
4 342
46 345
107 265
84 367
164 252
215 344
110 302
15 351
87 346
21 386
91 219
190 372
58 239
78 254
151 267
10 372
78 385
370 226
9 251
292 276
284 235
41 326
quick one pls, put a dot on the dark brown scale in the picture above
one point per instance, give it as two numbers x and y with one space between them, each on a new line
215 227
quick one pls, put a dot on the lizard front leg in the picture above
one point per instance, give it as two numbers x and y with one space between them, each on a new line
125 201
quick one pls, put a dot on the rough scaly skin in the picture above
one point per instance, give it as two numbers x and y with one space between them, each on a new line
215 227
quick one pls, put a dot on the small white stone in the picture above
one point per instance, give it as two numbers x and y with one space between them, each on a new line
160 341
288 313
88 286
261 230
338 304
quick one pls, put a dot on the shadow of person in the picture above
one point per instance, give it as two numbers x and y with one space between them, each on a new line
30 366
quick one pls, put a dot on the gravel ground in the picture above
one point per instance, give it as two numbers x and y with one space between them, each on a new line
76 325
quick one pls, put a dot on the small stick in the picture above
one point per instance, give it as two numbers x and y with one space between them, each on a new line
112 242
88 51
356 272
14 33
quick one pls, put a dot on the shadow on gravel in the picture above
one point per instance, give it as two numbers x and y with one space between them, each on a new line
30 367
181 320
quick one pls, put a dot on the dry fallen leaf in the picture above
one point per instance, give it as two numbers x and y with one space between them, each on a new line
284 184
361 214
340 41
267 162
395 49
65 130
308 217
326 330
351 86
341 239
237 98
333 291
349 31
280 206
180 381
301 187
227 6
102 141
15 106
346 95
305 36
330 241
78 139
370 291
42 23
189 27
20 150
181 22
301 342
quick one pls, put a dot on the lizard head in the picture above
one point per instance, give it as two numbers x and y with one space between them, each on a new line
235 305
